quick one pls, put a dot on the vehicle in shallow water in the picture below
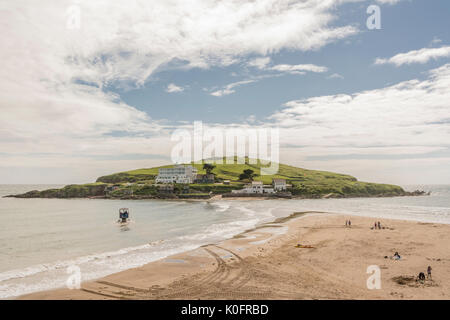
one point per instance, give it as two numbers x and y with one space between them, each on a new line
124 216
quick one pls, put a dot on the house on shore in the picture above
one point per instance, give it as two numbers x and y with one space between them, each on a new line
256 187
279 184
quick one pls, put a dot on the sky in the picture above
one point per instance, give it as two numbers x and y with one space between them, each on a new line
88 88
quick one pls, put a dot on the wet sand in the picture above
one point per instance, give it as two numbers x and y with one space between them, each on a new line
264 263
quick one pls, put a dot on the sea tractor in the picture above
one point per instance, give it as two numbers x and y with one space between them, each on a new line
124 215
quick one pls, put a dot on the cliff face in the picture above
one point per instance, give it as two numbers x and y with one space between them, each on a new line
139 184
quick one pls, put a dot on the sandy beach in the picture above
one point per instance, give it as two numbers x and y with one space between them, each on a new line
265 263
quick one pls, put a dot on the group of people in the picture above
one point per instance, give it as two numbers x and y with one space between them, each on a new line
421 276
377 225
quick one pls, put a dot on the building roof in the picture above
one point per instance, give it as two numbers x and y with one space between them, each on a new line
257 182
279 180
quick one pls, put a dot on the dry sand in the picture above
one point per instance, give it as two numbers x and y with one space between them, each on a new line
265 264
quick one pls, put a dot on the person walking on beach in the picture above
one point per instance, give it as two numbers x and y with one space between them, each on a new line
375 225
349 223
429 272
379 225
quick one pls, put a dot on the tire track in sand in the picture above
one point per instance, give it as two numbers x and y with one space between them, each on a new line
226 279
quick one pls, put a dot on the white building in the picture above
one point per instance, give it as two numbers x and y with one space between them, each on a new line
268 190
279 184
177 174
254 187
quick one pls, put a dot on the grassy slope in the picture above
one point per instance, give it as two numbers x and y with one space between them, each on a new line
69 191
305 182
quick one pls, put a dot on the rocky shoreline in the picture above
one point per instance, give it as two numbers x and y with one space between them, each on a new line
50 194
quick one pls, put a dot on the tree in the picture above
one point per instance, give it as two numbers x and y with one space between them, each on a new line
247 174
208 168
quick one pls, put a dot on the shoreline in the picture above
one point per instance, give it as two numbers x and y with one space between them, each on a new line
221 197
213 271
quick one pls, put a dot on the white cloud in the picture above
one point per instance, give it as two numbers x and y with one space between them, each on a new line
416 56
53 78
410 118
435 40
392 134
298 68
390 2
47 108
133 39
228 89
171 88
385 135
409 114
251 118
259 63
264 62
335 76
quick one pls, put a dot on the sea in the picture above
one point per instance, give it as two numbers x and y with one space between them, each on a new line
41 240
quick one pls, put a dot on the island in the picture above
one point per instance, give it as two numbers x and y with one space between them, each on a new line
207 180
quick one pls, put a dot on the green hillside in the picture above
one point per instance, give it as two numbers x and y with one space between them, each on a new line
140 184
308 183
